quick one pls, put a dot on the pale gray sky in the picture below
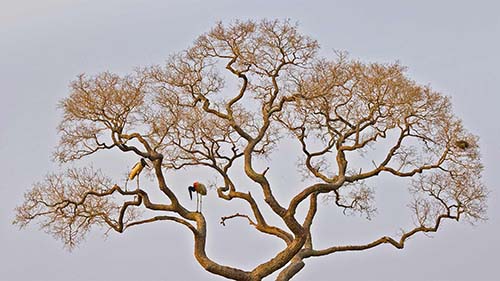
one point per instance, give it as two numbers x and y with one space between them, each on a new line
451 45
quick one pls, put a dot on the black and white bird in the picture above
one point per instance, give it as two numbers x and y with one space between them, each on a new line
201 190
136 170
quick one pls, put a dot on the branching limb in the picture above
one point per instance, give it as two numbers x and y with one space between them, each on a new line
313 208
223 219
296 265
67 205
161 218
389 156
315 188
262 227
383 240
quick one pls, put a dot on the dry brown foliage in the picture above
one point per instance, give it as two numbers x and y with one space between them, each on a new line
189 113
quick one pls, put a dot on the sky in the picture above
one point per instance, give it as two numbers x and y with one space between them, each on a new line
450 45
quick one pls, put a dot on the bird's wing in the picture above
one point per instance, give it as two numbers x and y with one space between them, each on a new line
135 170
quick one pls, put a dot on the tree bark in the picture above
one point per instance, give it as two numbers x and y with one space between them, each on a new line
291 270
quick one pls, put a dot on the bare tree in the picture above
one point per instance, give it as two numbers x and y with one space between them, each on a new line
188 113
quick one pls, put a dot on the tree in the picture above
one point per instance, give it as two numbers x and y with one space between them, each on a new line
187 114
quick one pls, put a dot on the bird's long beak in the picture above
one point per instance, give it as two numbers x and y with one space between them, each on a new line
190 188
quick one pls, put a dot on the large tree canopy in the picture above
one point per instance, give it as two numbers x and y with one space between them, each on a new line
228 102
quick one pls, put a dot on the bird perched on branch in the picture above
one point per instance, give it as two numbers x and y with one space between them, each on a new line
136 170
462 144
201 190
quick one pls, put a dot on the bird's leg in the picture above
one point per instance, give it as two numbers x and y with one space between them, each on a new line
136 197
201 202
197 202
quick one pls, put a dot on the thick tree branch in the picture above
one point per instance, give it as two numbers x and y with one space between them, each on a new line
383 240
161 218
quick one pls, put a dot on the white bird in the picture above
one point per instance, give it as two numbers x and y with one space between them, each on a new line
136 170
201 190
